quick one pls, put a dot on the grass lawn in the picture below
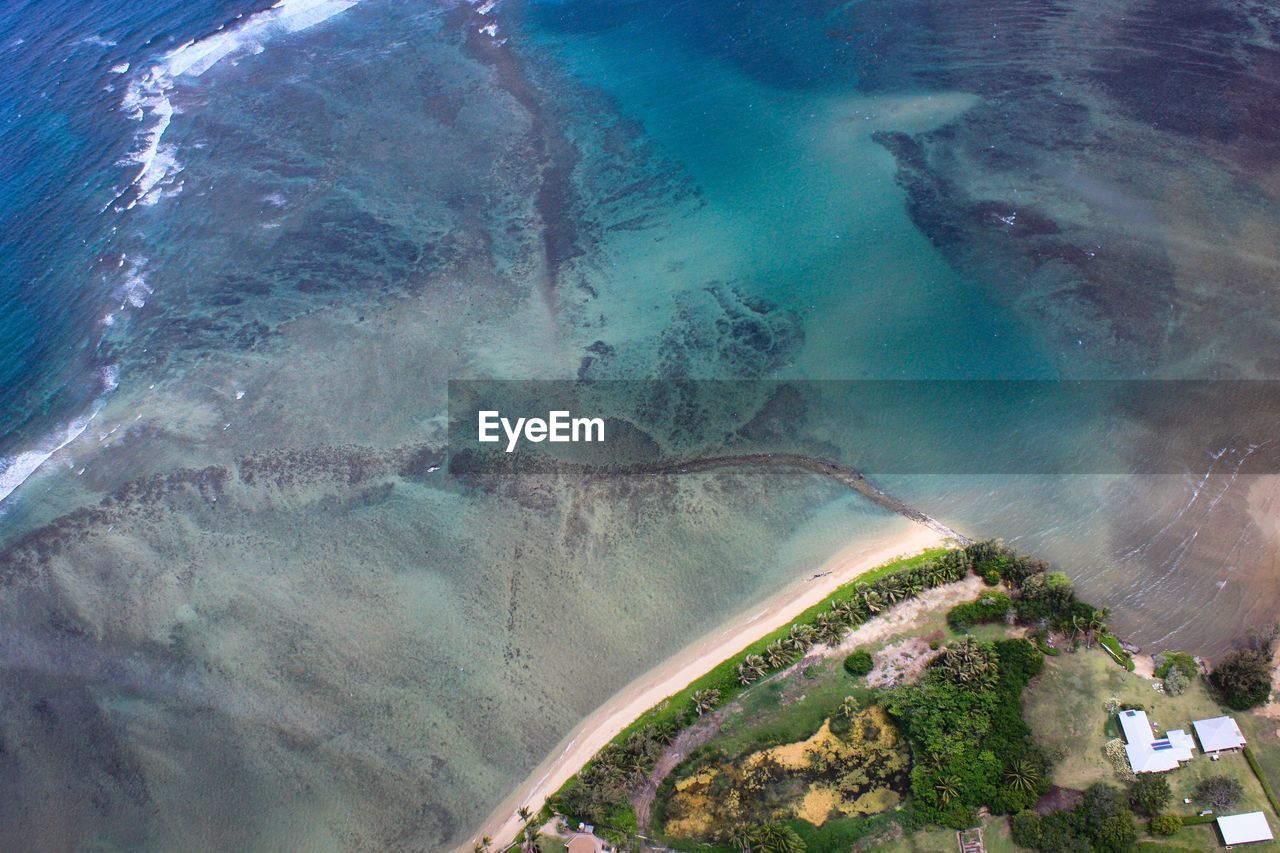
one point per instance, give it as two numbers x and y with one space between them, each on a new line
1183 780
995 836
1066 707
790 709
1263 736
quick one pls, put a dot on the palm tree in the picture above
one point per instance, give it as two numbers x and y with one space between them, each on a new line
1077 626
751 669
777 655
828 628
800 638
892 589
705 701
524 814
1023 775
1097 624
967 662
531 835
777 838
850 707
948 788
741 836
871 598
847 611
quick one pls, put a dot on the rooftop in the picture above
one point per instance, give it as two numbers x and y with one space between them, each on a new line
1156 756
1218 733
1244 828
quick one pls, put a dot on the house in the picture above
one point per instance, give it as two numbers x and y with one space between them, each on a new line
1147 753
1220 734
1244 828
585 841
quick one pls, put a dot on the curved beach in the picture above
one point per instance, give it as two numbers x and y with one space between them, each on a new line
589 736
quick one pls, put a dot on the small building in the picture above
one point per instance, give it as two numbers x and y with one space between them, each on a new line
585 842
1219 734
1146 752
1246 828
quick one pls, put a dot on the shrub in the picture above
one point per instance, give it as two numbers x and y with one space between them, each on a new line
1219 793
1025 829
859 663
991 578
1244 677
1175 683
1150 793
1118 759
1184 663
986 608
1166 824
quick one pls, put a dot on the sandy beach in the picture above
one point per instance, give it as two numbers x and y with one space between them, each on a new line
672 675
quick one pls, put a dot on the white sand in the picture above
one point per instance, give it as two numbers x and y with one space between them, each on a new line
677 672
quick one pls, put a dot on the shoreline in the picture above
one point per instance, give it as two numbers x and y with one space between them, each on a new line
676 672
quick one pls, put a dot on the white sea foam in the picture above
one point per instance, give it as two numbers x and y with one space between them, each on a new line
120 68
16 469
148 96
134 290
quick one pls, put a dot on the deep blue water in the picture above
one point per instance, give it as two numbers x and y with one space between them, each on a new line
65 146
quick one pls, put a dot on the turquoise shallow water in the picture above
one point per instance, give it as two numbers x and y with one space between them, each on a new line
248 604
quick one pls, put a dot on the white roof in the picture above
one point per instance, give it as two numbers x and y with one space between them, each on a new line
1160 755
1244 828
1218 733
1136 726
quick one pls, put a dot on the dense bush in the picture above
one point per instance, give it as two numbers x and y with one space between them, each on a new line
965 714
1175 683
1100 822
1026 830
859 663
1184 663
992 556
1166 824
985 609
1244 677
1150 793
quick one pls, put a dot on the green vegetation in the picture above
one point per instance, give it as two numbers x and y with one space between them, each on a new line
1101 821
1071 709
986 609
1166 824
1262 780
1180 661
964 722
1175 683
599 792
854 764
823 762
1117 652
1149 794
859 663
1244 676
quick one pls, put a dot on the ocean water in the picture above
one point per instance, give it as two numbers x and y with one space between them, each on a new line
245 604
